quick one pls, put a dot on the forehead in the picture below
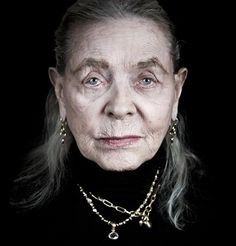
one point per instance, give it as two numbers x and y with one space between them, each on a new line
124 41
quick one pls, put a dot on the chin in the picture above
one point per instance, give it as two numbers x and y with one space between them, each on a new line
120 164
118 168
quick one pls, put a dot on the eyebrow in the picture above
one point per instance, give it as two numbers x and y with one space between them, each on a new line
91 62
103 64
152 62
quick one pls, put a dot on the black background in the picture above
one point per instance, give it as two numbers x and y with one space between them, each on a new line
28 31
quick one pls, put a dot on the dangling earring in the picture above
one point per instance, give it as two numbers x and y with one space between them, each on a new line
63 130
172 131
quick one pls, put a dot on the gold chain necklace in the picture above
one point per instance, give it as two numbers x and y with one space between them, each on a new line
142 211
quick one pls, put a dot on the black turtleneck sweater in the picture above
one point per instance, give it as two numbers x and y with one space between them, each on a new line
68 219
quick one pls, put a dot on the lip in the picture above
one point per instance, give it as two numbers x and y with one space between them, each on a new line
120 142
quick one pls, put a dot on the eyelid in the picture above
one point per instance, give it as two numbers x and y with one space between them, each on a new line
93 75
86 81
149 75
152 83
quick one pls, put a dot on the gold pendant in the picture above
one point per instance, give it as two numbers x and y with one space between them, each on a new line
145 221
113 235
148 224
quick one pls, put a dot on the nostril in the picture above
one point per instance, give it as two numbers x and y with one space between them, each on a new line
119 115
119 105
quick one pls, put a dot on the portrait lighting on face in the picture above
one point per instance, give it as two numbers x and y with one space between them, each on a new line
114 139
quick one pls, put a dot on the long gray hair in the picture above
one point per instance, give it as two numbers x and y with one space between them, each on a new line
46 170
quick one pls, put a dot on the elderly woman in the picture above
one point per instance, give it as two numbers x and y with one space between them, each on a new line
113 164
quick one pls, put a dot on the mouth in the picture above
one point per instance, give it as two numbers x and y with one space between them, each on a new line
120 142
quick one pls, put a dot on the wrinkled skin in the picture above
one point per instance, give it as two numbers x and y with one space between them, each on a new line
119 92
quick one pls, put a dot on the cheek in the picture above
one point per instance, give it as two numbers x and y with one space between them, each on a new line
158 113
77 113
157 122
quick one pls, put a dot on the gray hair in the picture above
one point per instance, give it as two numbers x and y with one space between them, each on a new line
42 178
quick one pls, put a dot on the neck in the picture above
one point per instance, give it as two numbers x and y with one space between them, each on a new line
119 187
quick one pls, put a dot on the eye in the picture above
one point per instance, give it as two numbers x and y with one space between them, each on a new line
147 81
93 82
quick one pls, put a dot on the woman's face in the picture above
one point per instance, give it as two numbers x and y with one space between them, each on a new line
119 92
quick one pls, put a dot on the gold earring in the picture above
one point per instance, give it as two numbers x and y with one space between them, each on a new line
172 131
63 130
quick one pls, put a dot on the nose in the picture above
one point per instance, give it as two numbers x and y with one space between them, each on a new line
120 104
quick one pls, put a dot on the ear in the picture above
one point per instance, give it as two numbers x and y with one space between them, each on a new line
57 82
179 78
